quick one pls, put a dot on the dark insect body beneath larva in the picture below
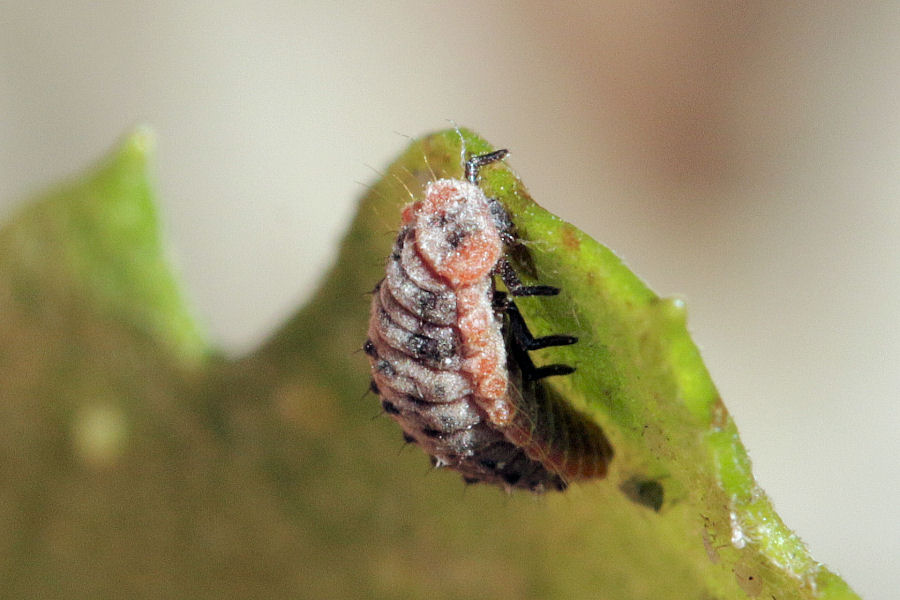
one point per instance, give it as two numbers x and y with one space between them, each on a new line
449 353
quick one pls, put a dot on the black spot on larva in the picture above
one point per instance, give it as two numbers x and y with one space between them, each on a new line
433 433
455 238
511 477
425 301
408 438
389 408
646 492
369 348
385 367
488 464
373 387
421 346
395 256
471 480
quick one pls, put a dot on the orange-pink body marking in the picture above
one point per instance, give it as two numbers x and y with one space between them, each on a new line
467 271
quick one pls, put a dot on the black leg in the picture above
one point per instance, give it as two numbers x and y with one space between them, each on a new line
476 162
515 285
523 341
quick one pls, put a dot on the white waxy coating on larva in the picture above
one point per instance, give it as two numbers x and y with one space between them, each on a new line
436 342
439 357
416 269
436 308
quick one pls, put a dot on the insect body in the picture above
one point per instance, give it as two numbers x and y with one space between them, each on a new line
449 353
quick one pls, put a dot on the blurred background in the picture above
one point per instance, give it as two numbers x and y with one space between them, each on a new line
745 158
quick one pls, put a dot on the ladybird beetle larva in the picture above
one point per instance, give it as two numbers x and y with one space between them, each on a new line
449 352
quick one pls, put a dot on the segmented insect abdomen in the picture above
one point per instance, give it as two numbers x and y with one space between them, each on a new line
414 348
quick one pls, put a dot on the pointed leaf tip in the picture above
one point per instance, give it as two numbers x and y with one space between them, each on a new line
140 142
96 241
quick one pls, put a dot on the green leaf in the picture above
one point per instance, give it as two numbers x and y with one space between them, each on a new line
139 462
96 241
